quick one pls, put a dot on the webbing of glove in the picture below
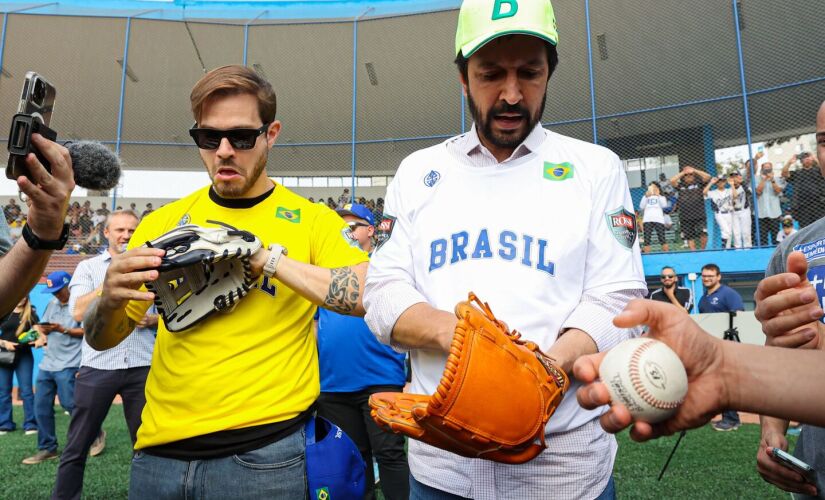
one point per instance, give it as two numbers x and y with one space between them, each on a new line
204 270
497 392
393 412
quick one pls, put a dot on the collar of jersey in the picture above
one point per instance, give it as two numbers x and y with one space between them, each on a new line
238 202
532 142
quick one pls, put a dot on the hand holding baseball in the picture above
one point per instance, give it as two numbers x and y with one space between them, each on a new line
700 353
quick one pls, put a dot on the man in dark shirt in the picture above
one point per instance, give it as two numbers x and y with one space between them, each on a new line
691 204
671 292
720 298
808 188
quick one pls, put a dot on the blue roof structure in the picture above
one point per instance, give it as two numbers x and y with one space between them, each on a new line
234 12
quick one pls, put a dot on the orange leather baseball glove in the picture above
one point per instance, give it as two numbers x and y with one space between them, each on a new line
494 399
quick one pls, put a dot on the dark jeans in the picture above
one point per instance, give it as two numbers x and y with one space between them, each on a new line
766 226
94 391
351 412
23 366
731 416
50 383
276 471
420 491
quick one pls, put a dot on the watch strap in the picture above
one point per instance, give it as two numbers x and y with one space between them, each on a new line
275 253
36 243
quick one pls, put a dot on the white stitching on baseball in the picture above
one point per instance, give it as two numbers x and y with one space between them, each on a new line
641 390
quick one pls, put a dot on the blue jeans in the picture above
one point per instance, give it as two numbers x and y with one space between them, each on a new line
277 471
420 491
731 416
48 384
23 366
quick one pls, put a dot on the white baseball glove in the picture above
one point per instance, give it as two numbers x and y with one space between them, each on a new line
204 270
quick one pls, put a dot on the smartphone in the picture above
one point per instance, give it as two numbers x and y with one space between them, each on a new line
791 462
33 113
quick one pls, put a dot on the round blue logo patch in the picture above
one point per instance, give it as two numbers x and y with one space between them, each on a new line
431 178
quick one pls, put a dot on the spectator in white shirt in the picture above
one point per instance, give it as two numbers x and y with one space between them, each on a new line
121 370
653 205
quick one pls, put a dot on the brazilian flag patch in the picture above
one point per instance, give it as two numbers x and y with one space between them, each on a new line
558 171
293 216
322 493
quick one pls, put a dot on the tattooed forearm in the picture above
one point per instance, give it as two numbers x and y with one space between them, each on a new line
99 334
344 290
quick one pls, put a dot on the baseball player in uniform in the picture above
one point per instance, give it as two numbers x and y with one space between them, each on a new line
741 212
545 233
720 203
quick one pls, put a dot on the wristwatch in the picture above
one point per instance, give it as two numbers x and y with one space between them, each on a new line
35 243
275 253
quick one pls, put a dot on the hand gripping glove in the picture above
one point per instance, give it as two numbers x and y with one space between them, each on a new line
495 397
204 270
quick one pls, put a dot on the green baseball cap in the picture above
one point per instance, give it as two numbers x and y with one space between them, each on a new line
480 21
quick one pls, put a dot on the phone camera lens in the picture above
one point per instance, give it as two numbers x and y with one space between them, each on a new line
39 93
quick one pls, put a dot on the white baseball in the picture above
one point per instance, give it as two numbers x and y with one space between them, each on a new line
647 377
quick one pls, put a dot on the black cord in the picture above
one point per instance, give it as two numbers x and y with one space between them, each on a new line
662 473
195 45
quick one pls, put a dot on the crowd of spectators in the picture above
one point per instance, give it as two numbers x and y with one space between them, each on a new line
375 206
774 205
86 224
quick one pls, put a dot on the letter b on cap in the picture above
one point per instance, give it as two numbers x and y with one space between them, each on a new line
512 8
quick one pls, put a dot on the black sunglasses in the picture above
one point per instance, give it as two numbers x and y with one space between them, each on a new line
239 138
665 276
353 225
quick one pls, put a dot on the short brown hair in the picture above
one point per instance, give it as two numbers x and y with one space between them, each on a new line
234 80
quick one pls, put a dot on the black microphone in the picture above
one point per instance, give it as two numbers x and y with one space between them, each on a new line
95 166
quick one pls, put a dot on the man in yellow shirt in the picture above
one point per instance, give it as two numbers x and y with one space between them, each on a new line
227 399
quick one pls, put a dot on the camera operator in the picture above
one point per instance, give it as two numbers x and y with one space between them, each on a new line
44 231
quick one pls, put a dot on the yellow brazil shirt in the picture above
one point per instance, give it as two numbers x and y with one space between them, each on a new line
256 364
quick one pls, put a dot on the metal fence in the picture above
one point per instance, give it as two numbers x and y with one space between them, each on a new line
664 84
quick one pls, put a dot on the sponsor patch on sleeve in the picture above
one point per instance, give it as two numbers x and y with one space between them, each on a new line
384 230
622 224
350 238
812 250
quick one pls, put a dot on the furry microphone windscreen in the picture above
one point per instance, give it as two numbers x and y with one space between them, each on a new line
95 166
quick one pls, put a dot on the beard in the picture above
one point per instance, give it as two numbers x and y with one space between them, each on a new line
230 190
484 123
672 285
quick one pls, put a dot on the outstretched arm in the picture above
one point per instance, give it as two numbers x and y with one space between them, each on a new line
21 267
338 290
721 375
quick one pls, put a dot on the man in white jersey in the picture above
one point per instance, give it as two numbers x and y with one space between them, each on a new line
721 202
545 232
741 196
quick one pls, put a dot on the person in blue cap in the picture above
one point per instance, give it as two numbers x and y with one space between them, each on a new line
61 336
354 365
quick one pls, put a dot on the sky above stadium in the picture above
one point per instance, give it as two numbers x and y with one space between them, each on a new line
233 11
